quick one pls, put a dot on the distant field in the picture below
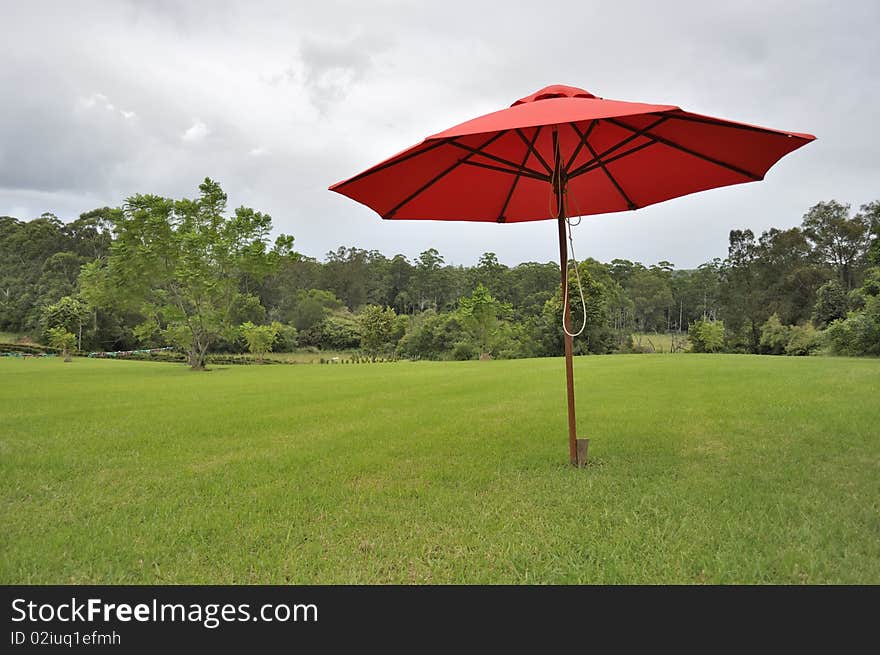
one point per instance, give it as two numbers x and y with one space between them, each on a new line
661 343
704 469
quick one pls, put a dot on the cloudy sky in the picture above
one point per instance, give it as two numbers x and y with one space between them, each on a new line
278 100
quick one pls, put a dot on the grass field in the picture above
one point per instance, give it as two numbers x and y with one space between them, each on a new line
704 468
654 342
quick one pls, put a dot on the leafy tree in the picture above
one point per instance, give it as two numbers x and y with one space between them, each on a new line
859 332
774 336
377 327
340 331
651 295
706 336
312 306
743 302
596 337
70 313
803 340
432 335
831 304
62 340
179 264
260 338
481 316
839 240
427 284
870 215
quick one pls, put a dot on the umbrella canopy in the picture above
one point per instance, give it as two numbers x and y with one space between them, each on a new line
614 156
562 151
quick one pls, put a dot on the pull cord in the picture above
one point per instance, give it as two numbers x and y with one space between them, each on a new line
556 182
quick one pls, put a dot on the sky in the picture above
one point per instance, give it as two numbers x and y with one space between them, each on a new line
279 100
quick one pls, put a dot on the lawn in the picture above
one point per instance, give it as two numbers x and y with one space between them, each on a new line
704 468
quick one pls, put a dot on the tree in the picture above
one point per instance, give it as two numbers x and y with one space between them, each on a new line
859 332
426 280
870 214
651 296
377 328
596 336
481 315
774 336
260 338
312 306
70 313
742 298
706 336
62 340
179 265
831 304
841 241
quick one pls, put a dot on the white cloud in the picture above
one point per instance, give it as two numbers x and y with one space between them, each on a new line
337 86
196 132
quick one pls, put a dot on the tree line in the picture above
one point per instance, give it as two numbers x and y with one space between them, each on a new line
158 271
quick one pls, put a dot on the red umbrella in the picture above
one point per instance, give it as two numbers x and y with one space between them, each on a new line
563 146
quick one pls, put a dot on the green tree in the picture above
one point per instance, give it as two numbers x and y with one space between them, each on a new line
651 295
870 215
62 340
774 336
859 332
260 338
742 295
482 315
831 304
70 313
706 336
180 263
427 282
839 240
377 328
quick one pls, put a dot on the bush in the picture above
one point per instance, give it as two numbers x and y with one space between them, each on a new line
462 350
858 333
706 336
774 336
803 340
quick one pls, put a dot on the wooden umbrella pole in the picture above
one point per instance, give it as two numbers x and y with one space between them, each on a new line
566 318
559 190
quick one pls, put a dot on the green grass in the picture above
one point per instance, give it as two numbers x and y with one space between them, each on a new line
704 468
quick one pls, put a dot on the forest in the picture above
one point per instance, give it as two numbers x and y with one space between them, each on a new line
158 272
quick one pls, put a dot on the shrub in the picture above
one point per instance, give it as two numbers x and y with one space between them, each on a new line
706 336
774 336
859 332
803 340
462 350
62 340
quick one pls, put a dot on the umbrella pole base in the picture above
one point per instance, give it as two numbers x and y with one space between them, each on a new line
582 445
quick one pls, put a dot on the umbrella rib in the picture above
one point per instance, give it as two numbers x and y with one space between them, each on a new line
689 151
441 175
509 171
727 124
583 138
585 141
388 164
531 147
500 160
591 165
501 218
